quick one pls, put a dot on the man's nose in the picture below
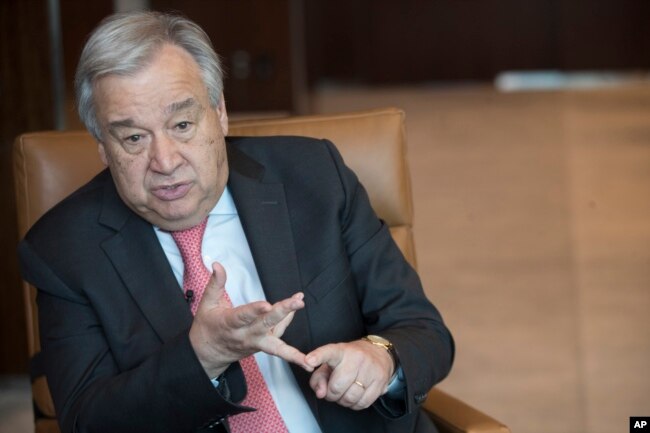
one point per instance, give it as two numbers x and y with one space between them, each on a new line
164 155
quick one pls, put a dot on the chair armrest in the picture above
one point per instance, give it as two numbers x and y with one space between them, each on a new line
451 415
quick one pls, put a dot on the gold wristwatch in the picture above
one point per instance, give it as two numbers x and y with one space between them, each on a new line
382 342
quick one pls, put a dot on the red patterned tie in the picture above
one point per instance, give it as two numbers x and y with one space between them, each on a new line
266 419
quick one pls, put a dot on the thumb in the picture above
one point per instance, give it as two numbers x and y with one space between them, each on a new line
214 294
329 354
218 276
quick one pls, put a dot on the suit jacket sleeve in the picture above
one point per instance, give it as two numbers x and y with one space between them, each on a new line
391 297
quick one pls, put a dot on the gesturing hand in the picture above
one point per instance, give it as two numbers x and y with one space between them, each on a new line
351 374
221 334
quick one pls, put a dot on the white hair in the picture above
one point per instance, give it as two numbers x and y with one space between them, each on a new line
124 43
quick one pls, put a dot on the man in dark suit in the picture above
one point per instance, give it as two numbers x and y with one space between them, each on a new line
307 290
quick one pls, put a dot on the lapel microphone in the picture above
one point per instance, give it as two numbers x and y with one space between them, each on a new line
189 295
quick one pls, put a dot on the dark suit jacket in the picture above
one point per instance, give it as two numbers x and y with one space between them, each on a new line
114 323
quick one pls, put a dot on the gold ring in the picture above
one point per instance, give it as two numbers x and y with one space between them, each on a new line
360 384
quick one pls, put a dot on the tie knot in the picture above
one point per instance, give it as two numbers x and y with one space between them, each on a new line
189 240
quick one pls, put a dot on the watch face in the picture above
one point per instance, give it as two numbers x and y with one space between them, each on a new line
378 340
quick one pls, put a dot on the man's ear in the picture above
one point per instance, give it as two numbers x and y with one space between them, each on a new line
102 153
223 115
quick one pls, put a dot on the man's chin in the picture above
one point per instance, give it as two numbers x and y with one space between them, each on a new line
176 215
174 221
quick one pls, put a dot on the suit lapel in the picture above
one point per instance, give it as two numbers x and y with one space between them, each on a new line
138 257
264 214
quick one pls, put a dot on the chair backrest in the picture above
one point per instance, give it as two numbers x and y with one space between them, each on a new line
50 165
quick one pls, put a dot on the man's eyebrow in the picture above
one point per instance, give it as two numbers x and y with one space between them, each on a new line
182 105
124 123
174 107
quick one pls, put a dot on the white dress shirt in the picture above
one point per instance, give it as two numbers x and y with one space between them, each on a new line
225 242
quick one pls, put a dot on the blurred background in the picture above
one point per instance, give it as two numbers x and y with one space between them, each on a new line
529 144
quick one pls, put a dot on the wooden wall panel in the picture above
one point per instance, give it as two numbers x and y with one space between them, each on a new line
25 105
254 39
597 34
385 41
78 19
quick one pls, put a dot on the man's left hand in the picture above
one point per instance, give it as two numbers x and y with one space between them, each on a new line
353 374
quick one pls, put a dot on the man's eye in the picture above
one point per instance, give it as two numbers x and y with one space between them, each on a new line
133 138
183 125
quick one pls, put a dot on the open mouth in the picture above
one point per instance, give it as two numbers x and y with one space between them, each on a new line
171 192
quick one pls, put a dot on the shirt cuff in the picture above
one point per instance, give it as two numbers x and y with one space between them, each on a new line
397 385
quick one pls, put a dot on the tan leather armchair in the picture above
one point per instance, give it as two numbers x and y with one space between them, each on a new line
50 165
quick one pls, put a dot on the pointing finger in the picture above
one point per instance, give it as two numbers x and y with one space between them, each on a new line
329 354
275 346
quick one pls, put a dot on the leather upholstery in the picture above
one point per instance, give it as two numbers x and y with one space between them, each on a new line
50 165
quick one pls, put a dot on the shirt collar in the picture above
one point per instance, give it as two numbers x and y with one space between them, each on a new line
225 205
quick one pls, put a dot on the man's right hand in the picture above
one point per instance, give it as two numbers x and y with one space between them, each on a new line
221 334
